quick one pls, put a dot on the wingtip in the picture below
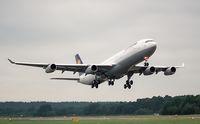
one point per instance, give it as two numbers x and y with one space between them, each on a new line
183 64
12 62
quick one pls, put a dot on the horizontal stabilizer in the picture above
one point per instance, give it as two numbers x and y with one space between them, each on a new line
75 79
11 61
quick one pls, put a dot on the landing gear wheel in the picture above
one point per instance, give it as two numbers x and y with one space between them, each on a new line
146 64
92 86
127 82
96 85
131 82
110 82
129 86
125 86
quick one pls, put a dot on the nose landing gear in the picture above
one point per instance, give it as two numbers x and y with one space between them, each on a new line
146 58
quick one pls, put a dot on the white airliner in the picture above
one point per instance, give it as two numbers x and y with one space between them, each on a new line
121 64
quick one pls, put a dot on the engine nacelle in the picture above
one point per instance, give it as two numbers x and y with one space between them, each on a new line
149 70
50 68
91 69
170 71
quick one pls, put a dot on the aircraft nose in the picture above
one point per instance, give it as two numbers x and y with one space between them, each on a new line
153 45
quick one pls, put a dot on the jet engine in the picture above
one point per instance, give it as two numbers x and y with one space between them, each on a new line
50 68
91 69
170 71
149 70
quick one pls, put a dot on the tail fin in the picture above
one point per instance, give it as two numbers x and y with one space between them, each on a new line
78 61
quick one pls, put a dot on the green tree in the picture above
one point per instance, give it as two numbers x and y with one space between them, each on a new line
44 110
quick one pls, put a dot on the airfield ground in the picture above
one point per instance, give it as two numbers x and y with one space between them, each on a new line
192 119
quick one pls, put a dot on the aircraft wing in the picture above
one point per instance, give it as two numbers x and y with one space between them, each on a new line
73 79
141 68
66 67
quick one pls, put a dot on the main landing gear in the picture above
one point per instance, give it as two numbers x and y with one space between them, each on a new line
95 84
129 82
111 82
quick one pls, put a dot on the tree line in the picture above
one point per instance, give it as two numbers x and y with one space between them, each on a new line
167 105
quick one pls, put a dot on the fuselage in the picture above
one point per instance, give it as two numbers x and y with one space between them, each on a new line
123 60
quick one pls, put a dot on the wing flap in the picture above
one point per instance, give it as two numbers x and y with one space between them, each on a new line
75 79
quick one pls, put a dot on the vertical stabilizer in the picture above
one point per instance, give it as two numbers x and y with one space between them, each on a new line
78 61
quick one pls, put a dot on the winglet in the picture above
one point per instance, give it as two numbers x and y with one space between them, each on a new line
12 62
183 65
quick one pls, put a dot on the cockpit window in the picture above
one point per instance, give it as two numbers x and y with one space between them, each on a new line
148 41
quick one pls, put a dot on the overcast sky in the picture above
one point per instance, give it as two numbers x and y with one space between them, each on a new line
53 31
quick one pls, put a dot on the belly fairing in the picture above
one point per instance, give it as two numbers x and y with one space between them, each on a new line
88 79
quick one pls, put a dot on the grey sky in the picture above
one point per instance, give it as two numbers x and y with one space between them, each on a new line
53 31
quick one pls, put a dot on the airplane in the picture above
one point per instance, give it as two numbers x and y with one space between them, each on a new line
124 63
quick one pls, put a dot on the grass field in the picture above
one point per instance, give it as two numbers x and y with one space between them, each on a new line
195 119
